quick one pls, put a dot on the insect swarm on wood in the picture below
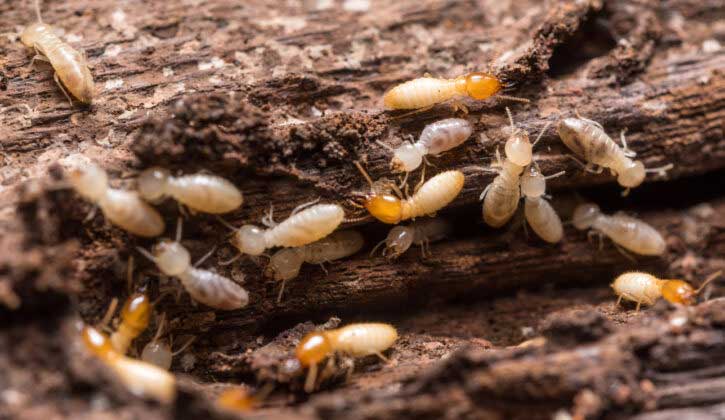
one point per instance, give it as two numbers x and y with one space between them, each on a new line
420 233
644 288
204 286
200 192
354 340
122 208
539 214
587 139
285 264
140 378
71 69
433 195
629 233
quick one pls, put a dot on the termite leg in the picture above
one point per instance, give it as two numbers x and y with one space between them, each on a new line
413 112
638 306
91 214
322 266
404 181
625 253
281 291
62 89
268 220
627 152
619 300
383 358
585 166
422 180
304 206
311 378
109 314
207 255
457 105
485 191
625 192
231 260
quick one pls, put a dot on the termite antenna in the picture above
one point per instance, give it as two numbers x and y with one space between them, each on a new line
109 314
129 274
560 173
541 134
710 278
37 11
662 170
384 146
356 219
178 229
146 254
511 120
364 173
514 98
184 347
227 225
160 328
376 247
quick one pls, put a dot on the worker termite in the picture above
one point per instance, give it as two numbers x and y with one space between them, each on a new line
140 378
354 340
71 69
427 91
135 316
432 196
201 192
285 264
204 286
587 139
501 196
123 208
158 351
539 214
644 288
420 233
305 225
435 139
629 233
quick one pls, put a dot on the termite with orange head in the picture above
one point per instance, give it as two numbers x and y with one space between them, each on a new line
135 316
285 264
71 68
140 378
123 208
539 214
200 192
588 141
629 233
644 288
420 233
354 340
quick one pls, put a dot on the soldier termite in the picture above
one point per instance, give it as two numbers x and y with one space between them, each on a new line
436 138
71 69
305 225
428 91
135 316
539 214
420 233
433 195
140 378
285 264
587 139
123 208
354 340
629 233
644 288
201 192
158 351
204 286
501 197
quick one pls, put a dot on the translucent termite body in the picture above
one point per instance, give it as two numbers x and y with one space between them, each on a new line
644 288
587 139
433 195
428 91
301 228
539 214
420 233
71 68
435 139
135 316
200 192
354 340
158 351
629 233
140 378
122 208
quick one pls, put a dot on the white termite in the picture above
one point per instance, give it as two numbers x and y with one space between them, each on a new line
200 192
122 208
539 214
420 233
626 231
204 286
158 351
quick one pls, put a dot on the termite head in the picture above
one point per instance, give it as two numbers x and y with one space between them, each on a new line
379 202
32 32
407 158
89 180
518 148
313 348
585 215
158 352
285 264
478 85
152 184
533 183
399 239
632 175
249 239
96 342
137 311
679 291
171 257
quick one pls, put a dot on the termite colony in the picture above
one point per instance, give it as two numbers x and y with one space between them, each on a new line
310 233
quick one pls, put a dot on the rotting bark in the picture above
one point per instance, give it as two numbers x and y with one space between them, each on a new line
284 100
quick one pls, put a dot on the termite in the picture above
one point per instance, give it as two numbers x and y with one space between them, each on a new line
587 139
436 138
200 192
305 225
140 378
644 288
204 286
354 340
239 399
420 233
433 195
158 351
539 214
427 91
71 68
285 264
135 317
501 197
123 208
629 233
